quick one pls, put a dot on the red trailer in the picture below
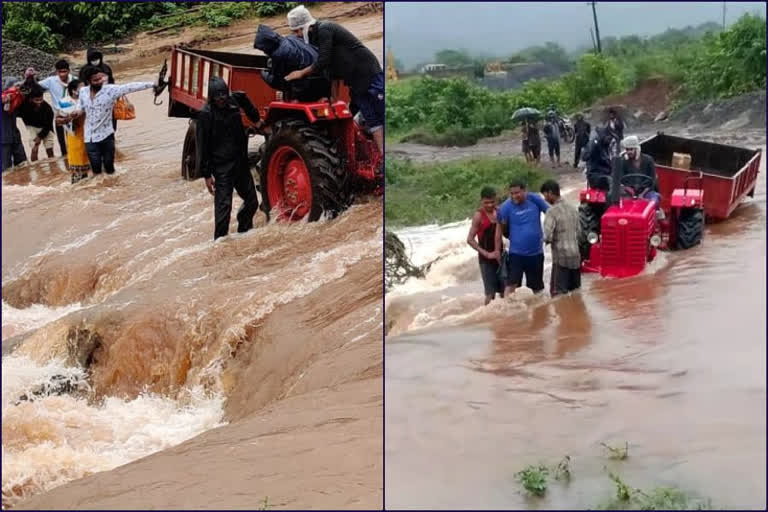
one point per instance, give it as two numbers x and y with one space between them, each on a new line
315 157
728 173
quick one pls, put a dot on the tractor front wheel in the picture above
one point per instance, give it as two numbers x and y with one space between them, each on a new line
189 170
301 175
589 222
690 228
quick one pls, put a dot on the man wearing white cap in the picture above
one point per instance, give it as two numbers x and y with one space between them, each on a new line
632 161
342 56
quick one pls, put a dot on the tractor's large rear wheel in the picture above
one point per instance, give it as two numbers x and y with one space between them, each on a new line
189 170
589 222
690 228
301 174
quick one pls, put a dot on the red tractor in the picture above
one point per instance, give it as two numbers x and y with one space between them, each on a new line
316 157
619 237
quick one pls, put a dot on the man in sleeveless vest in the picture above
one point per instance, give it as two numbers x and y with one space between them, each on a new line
482 239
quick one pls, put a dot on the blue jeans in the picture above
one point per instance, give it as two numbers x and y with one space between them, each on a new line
102 153
371 103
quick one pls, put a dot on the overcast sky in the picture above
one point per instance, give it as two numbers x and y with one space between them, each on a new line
416 30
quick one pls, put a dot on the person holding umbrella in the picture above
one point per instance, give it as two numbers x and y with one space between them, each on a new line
531 138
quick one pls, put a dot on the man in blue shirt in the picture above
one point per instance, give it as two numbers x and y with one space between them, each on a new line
520 217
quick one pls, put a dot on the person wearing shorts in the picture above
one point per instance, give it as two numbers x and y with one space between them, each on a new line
520 217
341 55
534 142
481 238
37 115
552 134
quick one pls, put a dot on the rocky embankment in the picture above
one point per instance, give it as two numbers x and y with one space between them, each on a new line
18 57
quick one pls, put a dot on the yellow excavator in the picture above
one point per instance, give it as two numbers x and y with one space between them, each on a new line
391 70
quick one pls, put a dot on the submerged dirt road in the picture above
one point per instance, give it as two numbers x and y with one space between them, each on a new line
671 362
221 374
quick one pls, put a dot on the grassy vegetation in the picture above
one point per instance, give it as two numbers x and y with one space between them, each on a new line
48 25
701 63
445 192
459 112
535 481
658 498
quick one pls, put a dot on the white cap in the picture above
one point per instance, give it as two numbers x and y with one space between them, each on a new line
299 18
631 142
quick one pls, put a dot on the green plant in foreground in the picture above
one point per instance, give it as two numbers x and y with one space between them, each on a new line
534 479
617 453
265 504
659 498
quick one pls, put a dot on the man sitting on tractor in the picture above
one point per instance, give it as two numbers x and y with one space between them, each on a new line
288 54
597 156
343 56
633 162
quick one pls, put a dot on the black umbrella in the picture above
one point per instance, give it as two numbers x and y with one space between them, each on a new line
525 113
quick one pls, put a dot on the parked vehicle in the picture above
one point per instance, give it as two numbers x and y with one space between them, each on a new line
315 157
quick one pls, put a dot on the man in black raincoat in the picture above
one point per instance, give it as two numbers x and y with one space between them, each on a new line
288 54
95 58
598 158
223 155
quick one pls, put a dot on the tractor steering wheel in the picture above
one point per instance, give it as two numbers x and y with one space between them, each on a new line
644 179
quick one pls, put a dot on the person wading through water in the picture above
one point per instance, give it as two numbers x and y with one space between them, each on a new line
223 155
484 228
95 58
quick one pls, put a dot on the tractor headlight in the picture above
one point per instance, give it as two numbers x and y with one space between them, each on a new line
592 238
655 240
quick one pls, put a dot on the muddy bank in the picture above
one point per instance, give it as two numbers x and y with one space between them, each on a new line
736 119
147 50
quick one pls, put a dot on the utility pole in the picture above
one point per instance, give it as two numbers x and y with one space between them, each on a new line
592 36
597 29
723 16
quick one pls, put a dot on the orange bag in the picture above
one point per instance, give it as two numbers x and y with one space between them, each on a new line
12 99
124 109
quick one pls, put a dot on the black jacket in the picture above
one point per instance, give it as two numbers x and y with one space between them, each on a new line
222 144
38 118
343 56
598 155
93 54
581 130
286 54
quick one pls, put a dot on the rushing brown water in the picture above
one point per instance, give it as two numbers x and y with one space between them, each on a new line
262 350
672 362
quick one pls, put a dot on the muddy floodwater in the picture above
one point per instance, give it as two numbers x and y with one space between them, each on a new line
672 362
211 375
